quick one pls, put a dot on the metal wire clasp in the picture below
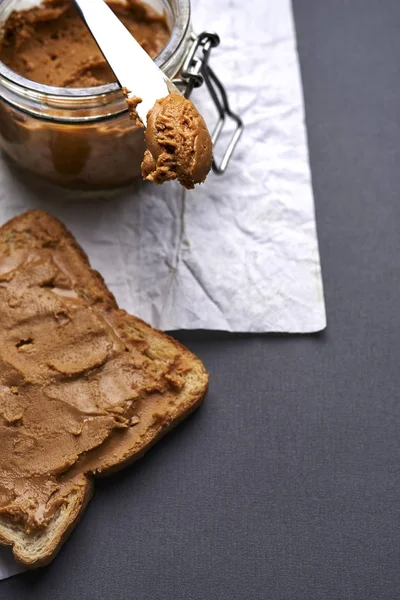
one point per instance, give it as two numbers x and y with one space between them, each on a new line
196 71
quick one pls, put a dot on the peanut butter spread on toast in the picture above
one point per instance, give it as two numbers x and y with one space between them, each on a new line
77 375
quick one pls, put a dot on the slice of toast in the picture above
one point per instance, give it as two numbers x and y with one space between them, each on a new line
85 388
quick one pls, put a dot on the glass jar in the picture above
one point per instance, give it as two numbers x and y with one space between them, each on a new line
81 137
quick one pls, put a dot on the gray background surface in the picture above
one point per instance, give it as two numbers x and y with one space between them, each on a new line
285 485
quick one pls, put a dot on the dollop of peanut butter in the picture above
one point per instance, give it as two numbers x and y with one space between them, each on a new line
178 144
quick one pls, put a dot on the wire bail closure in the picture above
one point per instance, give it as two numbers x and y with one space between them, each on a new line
196 71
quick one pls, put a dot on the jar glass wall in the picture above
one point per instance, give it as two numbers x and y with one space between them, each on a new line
81 137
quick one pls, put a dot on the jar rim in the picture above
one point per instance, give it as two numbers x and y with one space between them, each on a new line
179 30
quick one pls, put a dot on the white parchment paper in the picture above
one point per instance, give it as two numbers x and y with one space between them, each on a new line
239 253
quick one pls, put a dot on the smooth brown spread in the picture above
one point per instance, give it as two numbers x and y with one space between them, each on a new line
51 44
74 375
178 144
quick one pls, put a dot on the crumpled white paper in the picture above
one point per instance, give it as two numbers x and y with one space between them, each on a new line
240 252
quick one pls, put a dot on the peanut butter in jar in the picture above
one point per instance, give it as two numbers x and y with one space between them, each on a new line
62 115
